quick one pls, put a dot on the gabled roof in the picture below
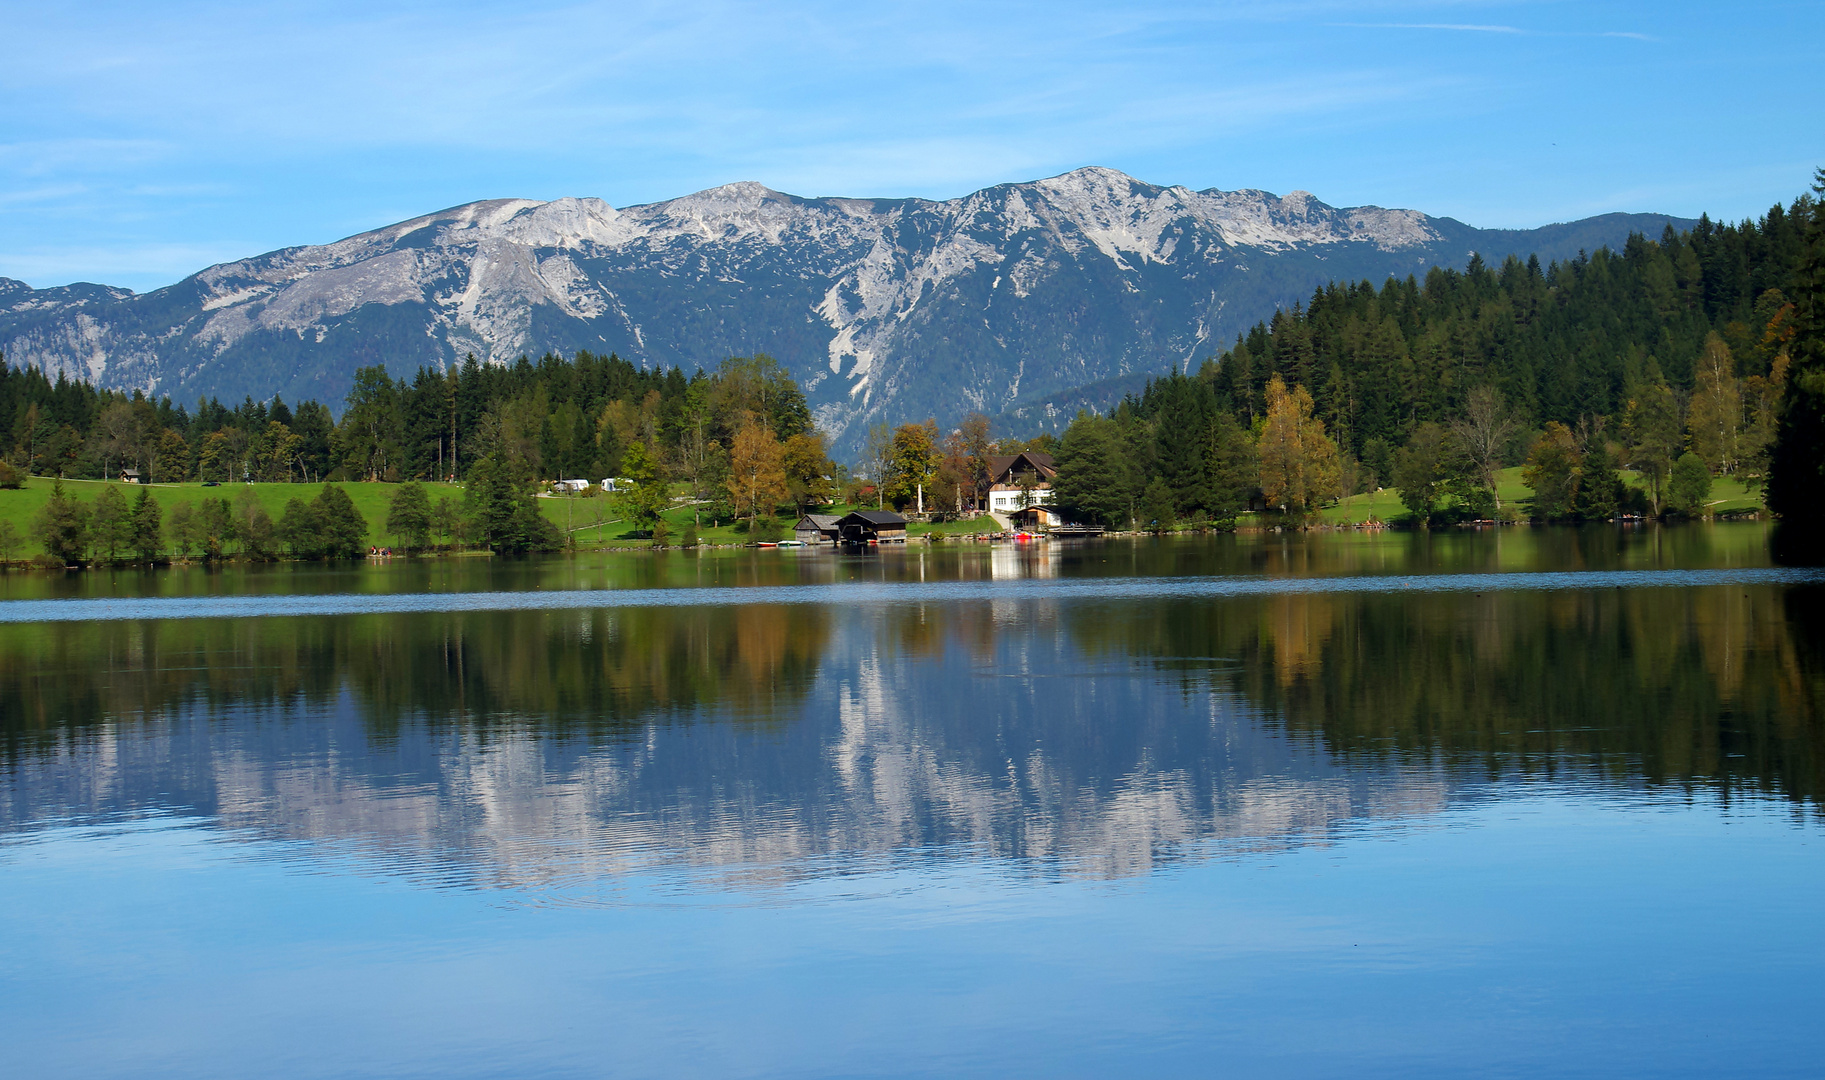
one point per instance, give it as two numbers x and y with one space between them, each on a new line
819 521
877 517
1041 463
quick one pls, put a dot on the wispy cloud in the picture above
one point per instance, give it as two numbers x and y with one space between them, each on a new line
1470 27
1481 28
145 129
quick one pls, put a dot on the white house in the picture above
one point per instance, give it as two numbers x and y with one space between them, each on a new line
1007 473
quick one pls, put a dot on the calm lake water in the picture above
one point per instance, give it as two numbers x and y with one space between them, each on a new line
1516 803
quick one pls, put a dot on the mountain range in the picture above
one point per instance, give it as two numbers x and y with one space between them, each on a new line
1003 301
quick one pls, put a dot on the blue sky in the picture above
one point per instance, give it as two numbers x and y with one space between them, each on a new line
142 142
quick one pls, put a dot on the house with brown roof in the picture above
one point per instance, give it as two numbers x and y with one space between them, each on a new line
1020 478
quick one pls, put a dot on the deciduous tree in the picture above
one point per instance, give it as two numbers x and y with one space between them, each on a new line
1299 466
63 527
757 478
111 522
409 516
147 525
1552 472
1714 420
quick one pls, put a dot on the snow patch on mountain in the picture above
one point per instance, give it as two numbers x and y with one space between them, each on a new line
968 302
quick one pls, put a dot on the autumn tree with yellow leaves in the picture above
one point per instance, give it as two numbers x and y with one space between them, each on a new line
1300 471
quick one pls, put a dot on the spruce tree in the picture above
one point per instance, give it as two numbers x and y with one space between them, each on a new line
1599 486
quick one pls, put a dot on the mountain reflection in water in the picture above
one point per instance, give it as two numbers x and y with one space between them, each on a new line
748 743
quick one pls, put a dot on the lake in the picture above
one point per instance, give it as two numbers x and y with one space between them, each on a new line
1508 803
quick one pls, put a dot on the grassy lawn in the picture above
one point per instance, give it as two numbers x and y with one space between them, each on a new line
1728 495
22 507
966 527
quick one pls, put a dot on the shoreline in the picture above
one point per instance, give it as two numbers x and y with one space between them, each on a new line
39 564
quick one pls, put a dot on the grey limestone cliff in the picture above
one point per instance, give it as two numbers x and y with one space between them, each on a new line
884 309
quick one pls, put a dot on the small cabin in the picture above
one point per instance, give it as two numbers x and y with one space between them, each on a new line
129 476
1035 518
817 529
872 527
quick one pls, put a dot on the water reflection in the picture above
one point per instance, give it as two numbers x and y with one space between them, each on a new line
557 749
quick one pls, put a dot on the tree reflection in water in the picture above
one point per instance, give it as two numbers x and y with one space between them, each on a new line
559 748
1719 687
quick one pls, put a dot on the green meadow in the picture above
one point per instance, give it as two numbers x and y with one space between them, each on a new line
1728 496
591 522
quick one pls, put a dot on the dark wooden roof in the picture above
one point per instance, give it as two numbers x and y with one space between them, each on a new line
876 518
1001 464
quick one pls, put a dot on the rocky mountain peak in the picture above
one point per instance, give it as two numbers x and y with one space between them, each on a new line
885 309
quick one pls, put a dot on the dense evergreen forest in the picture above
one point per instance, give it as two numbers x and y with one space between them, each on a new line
1671 357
